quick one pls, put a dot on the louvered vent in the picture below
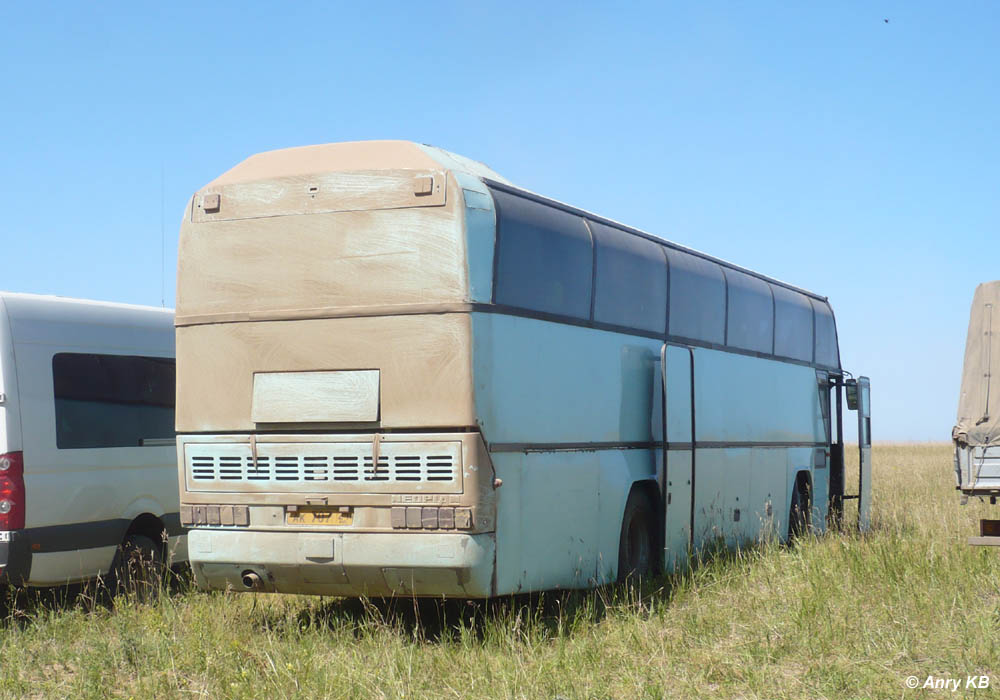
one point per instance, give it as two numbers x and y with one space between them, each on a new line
402 467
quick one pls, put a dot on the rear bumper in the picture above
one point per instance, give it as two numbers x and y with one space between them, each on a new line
346 564
15 558
977 470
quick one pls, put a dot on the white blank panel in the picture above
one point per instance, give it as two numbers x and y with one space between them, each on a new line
315 397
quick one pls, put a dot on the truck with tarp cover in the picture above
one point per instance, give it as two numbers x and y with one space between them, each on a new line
976 434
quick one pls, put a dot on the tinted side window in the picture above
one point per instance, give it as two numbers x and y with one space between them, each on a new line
751 313
631 280
544 257
827 353
793 324
697 298
112 400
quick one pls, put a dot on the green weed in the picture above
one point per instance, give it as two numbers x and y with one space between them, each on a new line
838 616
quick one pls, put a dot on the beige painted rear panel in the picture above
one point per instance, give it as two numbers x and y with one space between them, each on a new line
282 263
320 194
425 378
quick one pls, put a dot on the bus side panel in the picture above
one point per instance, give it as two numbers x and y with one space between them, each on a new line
511 565
559 516
597 389
774 409
721 491
767 515
739 398
557 508
539 382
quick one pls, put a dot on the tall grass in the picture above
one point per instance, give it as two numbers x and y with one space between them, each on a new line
837 616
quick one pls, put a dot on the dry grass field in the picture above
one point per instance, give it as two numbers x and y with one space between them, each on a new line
838 616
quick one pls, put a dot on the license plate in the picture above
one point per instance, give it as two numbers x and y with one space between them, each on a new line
319 515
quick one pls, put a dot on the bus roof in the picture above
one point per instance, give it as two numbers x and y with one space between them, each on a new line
407 155
350 156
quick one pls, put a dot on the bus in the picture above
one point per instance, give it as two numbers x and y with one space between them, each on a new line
401 374
88 478
976 435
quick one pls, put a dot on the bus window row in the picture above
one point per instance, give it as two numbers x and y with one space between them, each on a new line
552 261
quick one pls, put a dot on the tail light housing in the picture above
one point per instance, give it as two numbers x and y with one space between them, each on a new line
12 491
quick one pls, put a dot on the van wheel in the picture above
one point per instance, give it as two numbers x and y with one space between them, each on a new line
798 513
636 544
138 568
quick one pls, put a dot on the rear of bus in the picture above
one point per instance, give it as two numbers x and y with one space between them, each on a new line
325 416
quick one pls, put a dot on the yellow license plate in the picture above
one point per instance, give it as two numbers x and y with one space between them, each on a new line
318 515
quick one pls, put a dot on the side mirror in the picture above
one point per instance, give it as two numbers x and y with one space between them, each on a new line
852 394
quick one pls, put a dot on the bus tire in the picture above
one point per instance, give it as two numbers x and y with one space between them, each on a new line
138 568
798 512
636 545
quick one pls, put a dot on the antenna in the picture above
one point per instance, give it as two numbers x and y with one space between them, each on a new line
163 240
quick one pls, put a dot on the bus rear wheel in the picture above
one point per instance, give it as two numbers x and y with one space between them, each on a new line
636 546
798 513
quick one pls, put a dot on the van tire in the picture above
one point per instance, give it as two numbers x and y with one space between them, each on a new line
637 543
138 569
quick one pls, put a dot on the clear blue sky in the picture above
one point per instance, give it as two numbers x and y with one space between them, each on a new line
813 142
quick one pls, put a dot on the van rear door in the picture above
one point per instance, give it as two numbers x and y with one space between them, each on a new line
10 417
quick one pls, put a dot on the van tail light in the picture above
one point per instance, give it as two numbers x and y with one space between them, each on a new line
12 491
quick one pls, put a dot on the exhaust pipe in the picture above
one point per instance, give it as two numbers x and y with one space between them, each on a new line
251 581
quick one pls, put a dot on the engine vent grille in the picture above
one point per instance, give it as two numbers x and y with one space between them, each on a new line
329 467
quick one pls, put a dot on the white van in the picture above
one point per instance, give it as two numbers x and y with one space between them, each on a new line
88 475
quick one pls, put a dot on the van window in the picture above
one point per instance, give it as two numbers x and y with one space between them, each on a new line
112 400
631 280
544 257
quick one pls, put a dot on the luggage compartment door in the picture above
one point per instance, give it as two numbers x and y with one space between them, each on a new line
677 476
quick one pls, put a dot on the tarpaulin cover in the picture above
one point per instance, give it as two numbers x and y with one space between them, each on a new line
979 402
